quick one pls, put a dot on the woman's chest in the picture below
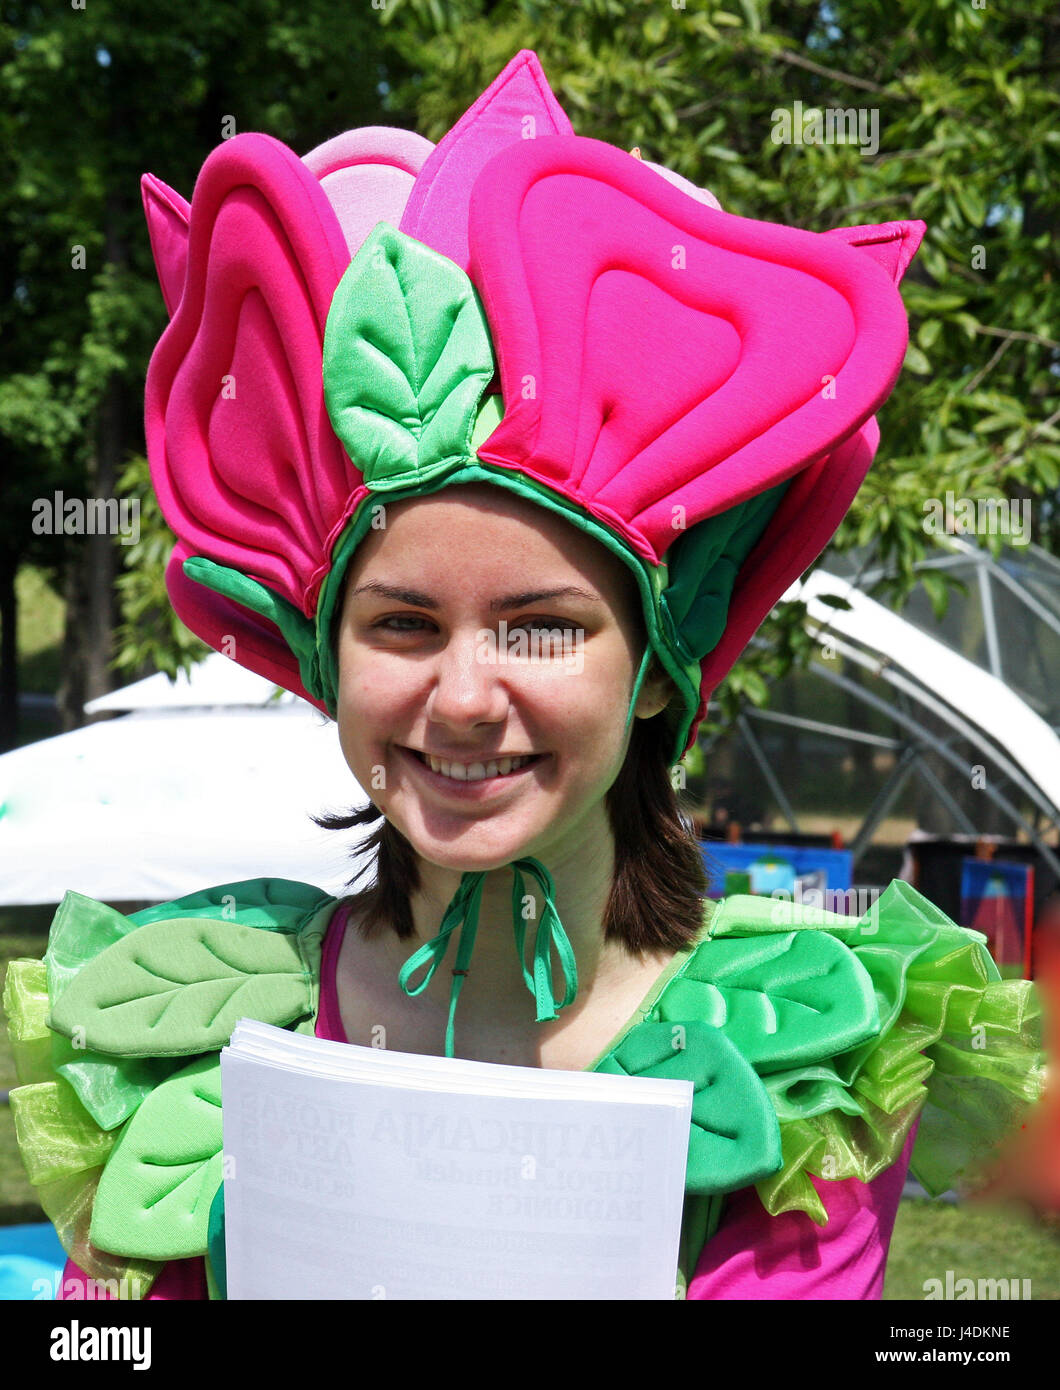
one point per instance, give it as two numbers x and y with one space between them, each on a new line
375 1012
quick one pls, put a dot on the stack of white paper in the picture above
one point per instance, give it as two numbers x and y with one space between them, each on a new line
351 1172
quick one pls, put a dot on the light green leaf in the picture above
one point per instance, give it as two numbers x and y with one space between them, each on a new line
937 590
407 355
155 1192
178 987
971 204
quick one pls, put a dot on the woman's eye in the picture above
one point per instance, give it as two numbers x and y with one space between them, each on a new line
547 624
398 618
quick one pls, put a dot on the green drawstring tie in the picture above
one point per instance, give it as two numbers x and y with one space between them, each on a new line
464 909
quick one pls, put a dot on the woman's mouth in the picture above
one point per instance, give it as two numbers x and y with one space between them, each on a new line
456 775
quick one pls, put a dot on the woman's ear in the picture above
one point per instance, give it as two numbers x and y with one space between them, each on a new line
656 692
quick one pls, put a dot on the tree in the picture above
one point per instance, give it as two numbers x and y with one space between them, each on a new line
90 98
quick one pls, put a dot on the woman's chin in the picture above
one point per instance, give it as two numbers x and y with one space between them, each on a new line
472 853
453 842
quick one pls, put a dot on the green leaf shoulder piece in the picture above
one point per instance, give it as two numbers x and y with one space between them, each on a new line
734 1138
124 1147
792 997
852 1029
177 988
158 1186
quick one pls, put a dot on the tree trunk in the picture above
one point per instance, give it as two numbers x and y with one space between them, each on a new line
88 640
71 695
8 653
88 643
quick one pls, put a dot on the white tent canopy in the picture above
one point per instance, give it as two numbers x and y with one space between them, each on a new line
163 802
214 681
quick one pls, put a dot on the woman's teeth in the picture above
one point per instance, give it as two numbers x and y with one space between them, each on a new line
475 772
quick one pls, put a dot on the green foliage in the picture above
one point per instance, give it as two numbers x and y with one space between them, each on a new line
150 635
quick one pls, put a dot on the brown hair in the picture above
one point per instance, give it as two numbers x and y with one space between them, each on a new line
659 880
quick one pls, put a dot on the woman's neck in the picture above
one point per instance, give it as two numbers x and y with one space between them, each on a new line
582 872
495 1016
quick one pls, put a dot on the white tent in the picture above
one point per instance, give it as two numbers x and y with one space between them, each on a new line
215 681
168 800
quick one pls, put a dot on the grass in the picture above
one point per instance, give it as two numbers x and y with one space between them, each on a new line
975 1242
39 642
41 615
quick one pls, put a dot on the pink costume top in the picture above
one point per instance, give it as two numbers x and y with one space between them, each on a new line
752 1255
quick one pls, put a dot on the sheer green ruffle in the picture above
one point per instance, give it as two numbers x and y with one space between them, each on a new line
958 1047
73 1104
63 1148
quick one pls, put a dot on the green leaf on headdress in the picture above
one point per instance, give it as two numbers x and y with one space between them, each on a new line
179 987
155 1193
407 355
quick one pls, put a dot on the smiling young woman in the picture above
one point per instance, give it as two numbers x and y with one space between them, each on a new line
626 446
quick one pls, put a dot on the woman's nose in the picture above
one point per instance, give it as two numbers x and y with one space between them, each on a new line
467 684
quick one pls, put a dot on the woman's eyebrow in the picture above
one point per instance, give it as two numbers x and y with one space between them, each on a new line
497 605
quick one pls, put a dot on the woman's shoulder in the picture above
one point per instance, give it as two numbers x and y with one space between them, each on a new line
815 1041
117 1035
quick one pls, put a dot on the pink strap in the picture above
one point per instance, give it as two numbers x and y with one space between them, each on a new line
179 1279
329 1018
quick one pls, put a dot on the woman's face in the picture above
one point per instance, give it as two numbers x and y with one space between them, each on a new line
431 671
